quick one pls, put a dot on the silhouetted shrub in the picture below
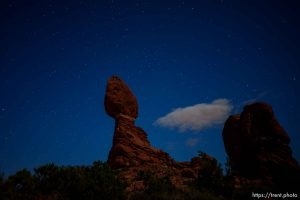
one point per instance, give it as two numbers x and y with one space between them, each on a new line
159 188
53 182
19 186
210 177
98 181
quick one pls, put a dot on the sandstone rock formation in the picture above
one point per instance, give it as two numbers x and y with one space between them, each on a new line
119 100
257 145
130 144
131 151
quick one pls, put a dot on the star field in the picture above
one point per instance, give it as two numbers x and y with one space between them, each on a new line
56 57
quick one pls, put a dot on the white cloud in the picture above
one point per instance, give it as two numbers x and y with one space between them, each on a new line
197 117
191 142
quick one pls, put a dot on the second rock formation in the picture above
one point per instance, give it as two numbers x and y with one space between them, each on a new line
258 147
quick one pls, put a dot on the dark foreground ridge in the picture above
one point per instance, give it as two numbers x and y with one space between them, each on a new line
260 162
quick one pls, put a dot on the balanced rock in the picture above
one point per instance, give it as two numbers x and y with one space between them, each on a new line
131 151
131 146
119 100
257 145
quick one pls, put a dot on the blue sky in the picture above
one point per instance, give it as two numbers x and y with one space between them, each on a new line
56 57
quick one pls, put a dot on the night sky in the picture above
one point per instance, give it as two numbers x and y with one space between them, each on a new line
56 57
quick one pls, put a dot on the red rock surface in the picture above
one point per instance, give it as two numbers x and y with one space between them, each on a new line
257 145
119 100
132 148
131 151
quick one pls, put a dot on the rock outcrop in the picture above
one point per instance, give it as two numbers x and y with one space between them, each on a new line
131 151
131 146
258 146
119 100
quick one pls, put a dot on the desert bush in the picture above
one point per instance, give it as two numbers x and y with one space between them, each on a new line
63 182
